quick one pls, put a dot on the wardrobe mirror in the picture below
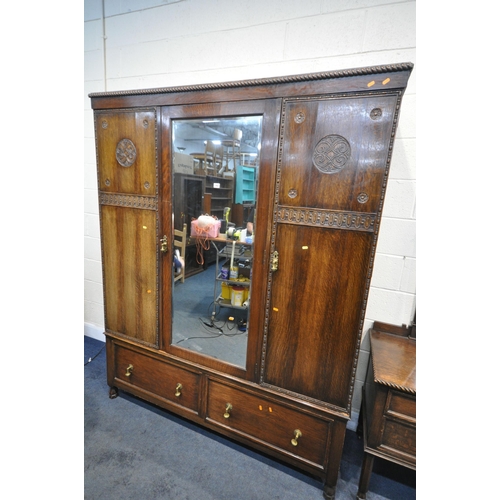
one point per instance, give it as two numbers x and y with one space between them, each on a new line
215 167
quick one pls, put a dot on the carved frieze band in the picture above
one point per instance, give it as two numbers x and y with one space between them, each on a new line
326 218
129 200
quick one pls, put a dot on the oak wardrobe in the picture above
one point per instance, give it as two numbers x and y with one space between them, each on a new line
276 370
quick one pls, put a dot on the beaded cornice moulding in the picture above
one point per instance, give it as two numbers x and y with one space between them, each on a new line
343 73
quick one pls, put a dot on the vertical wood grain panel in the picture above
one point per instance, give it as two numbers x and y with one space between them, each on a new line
130 275
316 303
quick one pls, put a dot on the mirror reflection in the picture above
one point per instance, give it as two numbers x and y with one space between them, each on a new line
215 178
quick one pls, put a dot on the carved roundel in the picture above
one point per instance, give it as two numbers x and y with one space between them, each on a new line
376 114
362 197
331 154
299 117
126 153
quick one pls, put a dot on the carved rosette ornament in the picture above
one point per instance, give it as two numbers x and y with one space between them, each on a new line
126 153
362 197
331 154
299 117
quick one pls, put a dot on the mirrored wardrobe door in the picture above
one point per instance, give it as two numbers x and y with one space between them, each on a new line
213 163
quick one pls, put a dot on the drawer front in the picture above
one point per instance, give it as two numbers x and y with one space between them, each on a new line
268 422
402 406
399 437
158 377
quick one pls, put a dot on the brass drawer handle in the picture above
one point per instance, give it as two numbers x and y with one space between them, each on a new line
129 370
296 435
229 407
178 389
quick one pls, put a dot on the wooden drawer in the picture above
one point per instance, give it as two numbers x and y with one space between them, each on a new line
268 423
158 378
401 406
399 433
400 437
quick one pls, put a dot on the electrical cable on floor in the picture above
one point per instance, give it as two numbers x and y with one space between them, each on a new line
225 323
93 357
212 325
220 329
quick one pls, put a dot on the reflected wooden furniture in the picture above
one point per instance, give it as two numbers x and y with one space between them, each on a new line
212 162
231 149
180 243
389 415
188 203
327 140
221 192
199 165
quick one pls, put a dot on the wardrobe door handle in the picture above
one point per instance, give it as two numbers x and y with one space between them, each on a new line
229 407
274 261
129 370
164 244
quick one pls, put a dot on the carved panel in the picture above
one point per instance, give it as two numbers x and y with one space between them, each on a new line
129 200
331 154
126 153
326 218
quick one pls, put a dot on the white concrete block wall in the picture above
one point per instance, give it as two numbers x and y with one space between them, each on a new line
160 43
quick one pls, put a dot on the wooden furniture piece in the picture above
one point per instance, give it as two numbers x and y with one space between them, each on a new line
245 185
389 415
213 158
199 163
231 150
180 238
189 203
326 146
220 190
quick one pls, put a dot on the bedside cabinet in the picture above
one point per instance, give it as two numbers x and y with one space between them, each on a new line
389 416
